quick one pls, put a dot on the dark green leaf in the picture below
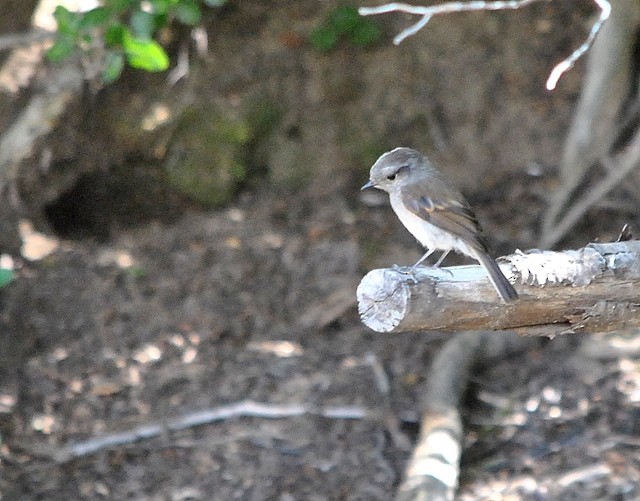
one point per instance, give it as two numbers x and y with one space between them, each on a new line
61 48
146 55
121 5
143 24
345 19
188 12
113 65
6 276
115 34
68 22
324 39
161 6
365 34
94 18
136 271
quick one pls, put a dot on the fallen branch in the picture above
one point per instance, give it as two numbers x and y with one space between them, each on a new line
246 408
448 7
532 486
39 117
594 289
433 470
45 108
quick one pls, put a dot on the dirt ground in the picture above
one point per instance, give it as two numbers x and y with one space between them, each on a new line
157 318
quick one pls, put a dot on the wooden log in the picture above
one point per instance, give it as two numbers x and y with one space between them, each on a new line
434 467
593 289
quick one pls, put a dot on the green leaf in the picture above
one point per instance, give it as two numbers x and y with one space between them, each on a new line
345 19
113 65
136 271
119 6
6 276
94 18
68 22
324 39
145 55
161 6
188 12
86 39
115 34
365 34
61 49
143 24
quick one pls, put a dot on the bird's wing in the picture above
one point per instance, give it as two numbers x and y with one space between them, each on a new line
451 215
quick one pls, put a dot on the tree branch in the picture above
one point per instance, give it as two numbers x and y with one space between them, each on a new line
246 408
596 124
446 8
618 169
594 289
433 470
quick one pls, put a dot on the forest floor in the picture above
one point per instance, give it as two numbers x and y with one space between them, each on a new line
136 331
256 303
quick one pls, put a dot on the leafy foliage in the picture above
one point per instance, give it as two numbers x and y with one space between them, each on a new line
126 29
345 23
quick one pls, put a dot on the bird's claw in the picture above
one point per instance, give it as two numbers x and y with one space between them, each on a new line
406 270
447 270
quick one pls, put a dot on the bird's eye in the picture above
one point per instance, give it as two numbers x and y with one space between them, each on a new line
402 168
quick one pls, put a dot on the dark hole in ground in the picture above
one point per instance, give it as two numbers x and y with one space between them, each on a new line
101 202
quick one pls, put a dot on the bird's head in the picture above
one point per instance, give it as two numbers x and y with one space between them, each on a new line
396 168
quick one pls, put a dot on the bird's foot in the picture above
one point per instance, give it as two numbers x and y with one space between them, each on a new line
447 270
406 270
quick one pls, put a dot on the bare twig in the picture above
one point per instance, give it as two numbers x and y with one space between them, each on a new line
246 408
567 64
617 171
446 8
603 116
559 486
380 375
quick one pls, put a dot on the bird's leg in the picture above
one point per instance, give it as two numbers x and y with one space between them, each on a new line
403 269
439 261
426 255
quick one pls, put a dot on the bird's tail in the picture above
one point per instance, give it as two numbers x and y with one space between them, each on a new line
499 281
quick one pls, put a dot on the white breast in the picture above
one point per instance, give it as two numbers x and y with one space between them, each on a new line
427 234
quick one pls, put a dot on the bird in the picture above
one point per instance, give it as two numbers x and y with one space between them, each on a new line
434 212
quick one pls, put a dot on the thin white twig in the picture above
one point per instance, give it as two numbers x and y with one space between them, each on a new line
411 30
446 8
567 64
246 408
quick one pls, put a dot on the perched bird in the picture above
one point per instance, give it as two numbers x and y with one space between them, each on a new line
434 211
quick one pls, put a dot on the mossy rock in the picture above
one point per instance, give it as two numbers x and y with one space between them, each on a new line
207 155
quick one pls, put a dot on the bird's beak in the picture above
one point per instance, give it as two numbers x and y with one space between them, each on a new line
367 185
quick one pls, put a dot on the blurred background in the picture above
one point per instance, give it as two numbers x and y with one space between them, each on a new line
188 233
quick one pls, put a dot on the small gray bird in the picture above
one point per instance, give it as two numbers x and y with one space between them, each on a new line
434 212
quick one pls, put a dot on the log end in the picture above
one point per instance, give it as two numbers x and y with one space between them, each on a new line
383 299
